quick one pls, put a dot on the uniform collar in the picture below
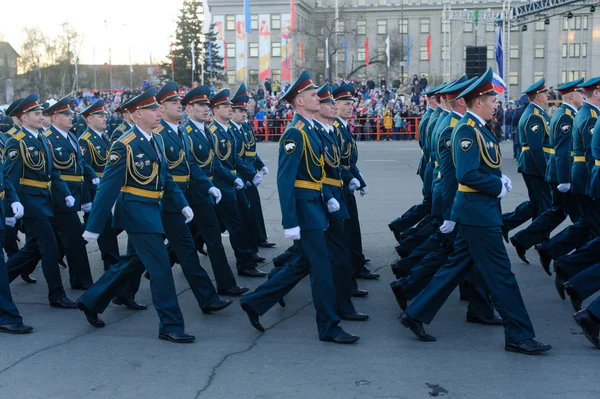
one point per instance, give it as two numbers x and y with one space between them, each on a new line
199 125
35 134
225 127
593 106
172 126
458 113
537 106
63 133
239 127
148 136
479 118
344 122
570 106
99 133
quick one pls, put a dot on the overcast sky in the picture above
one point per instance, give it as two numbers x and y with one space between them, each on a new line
144 26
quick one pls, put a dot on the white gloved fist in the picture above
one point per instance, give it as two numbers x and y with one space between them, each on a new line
364 191
293 233
70 201
17 209
216 193
503 192
507 183
447 227
188 213
333 205
264 170
257 180
87 207
96 181
10 221
564 187
239 184
354 184
89 236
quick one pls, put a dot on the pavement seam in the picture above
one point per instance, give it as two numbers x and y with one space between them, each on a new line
253 343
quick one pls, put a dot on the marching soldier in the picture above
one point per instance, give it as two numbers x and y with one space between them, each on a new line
137 178
202 198
95 146
227 180
29 166
477 213
299 182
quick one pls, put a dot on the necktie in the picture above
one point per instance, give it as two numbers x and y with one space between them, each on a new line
153 143
105 139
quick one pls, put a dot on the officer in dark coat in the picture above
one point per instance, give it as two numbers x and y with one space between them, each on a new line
477 213
299 182
125 125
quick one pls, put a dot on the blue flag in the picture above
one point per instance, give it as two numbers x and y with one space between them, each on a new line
210 55
407 50
286 54
499 52
345 53
247 16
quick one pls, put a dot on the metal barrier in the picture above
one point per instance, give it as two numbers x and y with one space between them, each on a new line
364 129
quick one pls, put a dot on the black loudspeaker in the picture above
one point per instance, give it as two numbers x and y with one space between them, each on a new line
476 63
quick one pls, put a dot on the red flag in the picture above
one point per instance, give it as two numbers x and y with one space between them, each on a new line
429 49
367 51
293 12
225 55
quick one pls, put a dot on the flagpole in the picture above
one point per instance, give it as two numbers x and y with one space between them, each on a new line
130 70
337 28
94 56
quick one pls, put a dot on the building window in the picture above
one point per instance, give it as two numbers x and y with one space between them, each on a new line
464 52
537 76
341 56
254 22
361 54
468 27
445 53
424 25
490 52
577 24
563 76
319 3
382 27
231 79
362 2
539 51
230 50
253 76
423 53
361 27
513 78
321 54
253 49
381 52
574 50
514 51
573 23
565 50
382 2
230 22
403 25
584 22
540 25
275 49
584 50
276 75
573 75
275 21
582 74
446 27
341 26
490 28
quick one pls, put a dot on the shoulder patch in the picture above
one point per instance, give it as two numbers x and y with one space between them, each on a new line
289 146
299 125
568 111
19 135
47 133
453 122
114 157
12 131
535 128
466 144
212 128
85 136
336 124
471 123
122 128
565 127
128 138
536 111
594 113
188 128
159 129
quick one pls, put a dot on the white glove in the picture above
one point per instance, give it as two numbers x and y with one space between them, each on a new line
70 201
89 236
265 170
354 184
447 227
333 205
507 183
87 207
239 184
10 221
257 180
216 193
364 191
17 209
564 187
293 233
188 213
96 181
503 192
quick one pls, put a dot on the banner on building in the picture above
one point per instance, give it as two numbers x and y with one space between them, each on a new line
241 57
264 46
286 46
219 21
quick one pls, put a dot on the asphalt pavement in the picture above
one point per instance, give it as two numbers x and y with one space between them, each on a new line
67 358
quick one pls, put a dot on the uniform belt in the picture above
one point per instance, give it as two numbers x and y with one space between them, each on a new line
99 174
347 167
233 171
547 150
331 182
597 162
75 178
250 153
525 148
466 189
2 194
35 183
579 158
181 179
142 193
309 185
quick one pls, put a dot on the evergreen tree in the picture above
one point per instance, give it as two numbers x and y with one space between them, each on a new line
216 72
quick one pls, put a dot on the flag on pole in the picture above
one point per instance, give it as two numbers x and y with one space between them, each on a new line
210 55
429 49
476 16
287 56
193 55
225 55
498 84
247 17
407 50
367 51
326 53
499 51
387 50
151 60
293 11
345 53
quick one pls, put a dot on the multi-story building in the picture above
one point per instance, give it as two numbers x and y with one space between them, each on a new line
559 48
8 72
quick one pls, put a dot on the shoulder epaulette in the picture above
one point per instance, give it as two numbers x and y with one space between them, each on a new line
336 124
85 136
127 138
453 122
212 128
12 131
471 122
159 129
188 128
19 135
299 125
594 113
122 128
536 111
568 111
47 133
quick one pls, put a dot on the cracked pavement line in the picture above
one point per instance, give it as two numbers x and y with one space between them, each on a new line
253 343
